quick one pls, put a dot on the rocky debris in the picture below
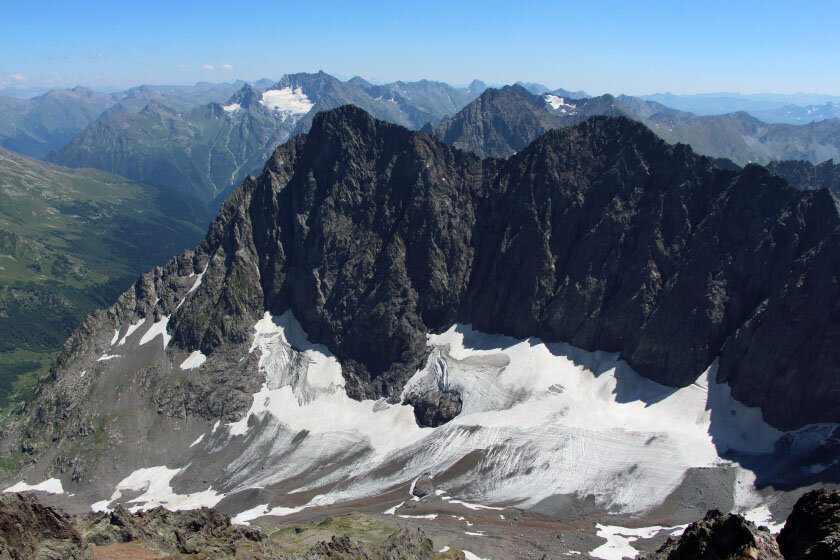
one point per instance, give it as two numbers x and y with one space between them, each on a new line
194 531
720 537
401 545
423 486
812 530
29 529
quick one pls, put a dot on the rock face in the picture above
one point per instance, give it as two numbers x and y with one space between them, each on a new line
720 537
812 531
29 529
600 235
807 176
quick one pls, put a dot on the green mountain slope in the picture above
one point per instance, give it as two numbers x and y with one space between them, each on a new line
70 241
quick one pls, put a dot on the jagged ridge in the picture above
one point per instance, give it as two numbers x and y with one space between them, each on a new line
600 235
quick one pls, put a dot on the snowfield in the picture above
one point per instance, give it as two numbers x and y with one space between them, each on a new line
557 102
287 101
538 420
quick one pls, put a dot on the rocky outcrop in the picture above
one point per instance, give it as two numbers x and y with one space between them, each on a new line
401 545
204 531
807 176
720 537
812 531
29 529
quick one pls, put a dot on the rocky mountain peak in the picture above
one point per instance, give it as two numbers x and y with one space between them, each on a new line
246 97
598 234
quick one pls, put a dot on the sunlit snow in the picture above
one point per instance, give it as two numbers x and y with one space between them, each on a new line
156 329
287 101
194 360
49 486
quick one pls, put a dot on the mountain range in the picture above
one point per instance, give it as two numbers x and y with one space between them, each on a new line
378 308
502 122
206 151
771 108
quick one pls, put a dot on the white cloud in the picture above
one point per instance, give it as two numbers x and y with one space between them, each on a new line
227 66
207 67
18 77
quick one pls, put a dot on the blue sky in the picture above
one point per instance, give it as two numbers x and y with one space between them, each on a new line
618 47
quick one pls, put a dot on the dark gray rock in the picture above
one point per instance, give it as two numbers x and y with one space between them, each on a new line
720 537
812 530
807 176
423 487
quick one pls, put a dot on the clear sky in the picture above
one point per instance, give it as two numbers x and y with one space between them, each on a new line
624 46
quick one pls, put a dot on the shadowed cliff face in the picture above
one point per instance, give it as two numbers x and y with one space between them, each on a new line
600 235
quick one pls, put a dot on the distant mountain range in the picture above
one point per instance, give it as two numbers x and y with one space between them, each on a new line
70 241
501 122
772 108
40 124
206 151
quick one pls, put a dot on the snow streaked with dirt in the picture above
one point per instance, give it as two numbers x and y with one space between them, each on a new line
286 100
538 420
49 486
531 409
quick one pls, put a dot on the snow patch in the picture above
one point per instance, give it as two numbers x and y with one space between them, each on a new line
619 539
557 102
105 357
194 360
116 337
427 516
393 510
130 331
155 483
232 107
247 516
470 556
158 328
198 279
49 486
286 100
197 441
761 515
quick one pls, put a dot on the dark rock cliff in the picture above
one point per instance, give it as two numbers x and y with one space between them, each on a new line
600 235
812 530
807 176
720 537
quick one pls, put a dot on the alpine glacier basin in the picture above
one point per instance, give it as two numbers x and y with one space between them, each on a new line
541 424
